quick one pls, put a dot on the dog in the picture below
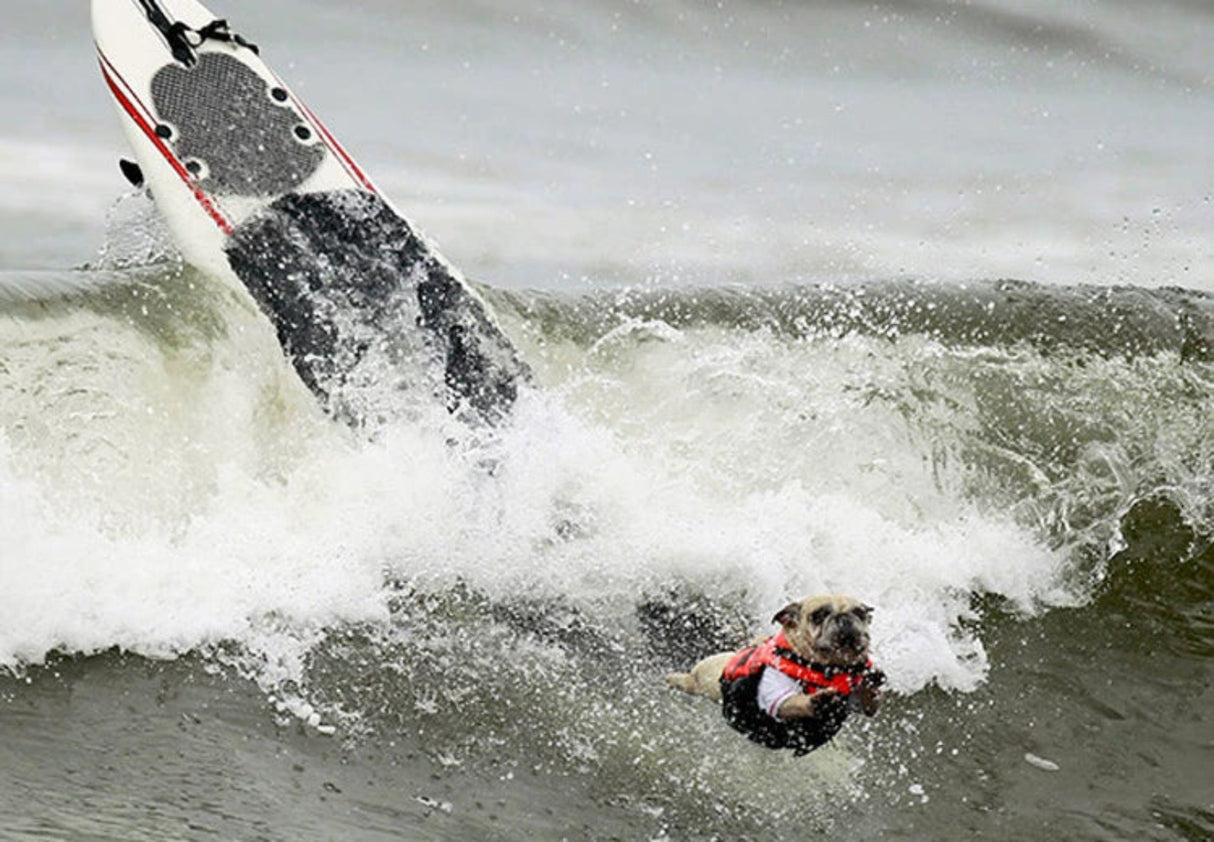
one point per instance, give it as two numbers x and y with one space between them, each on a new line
794 690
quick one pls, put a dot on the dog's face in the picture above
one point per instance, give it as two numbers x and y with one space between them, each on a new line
827 629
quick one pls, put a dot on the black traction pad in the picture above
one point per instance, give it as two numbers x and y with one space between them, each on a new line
224 116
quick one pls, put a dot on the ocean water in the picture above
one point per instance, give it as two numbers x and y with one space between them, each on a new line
908 300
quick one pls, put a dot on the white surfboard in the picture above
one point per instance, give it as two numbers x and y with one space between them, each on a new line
207 161
255 189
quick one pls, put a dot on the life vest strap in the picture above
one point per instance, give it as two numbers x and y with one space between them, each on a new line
775 652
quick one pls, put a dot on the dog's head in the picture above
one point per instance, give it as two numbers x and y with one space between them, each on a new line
827 629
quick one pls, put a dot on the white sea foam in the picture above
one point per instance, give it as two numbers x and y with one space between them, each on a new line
177 497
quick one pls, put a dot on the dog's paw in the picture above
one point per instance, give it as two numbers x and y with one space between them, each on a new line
870 698
830 704
874 678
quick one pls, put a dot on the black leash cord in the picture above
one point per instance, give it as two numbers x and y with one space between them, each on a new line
180 46
183 40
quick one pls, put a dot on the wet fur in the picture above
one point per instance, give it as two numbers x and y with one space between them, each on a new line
830 629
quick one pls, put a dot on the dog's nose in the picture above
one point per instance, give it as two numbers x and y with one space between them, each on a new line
847 631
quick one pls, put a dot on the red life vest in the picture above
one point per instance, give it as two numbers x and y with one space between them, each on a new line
740 703
777 653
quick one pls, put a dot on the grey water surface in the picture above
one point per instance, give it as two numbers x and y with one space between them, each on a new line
907 300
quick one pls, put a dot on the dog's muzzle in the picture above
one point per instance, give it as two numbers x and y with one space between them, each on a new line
847 634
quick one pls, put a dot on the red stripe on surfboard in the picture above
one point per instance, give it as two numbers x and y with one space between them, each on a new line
354 171
137 112
341 153
130 92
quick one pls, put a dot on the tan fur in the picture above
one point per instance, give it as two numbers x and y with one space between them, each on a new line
704 678
825 643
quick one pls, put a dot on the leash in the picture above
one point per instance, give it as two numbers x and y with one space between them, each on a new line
184 40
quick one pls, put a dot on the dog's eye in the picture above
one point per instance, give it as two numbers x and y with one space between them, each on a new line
820 616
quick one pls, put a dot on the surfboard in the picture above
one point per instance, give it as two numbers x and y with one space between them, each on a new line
255 189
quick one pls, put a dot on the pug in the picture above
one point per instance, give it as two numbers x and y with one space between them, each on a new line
795 689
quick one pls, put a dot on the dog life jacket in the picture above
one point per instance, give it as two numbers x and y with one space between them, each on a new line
740 696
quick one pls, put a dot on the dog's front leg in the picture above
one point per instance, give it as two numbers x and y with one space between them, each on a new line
824 703
870 691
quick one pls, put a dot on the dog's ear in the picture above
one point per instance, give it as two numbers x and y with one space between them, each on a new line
788 615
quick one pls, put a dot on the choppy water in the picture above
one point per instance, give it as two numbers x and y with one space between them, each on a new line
750 251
